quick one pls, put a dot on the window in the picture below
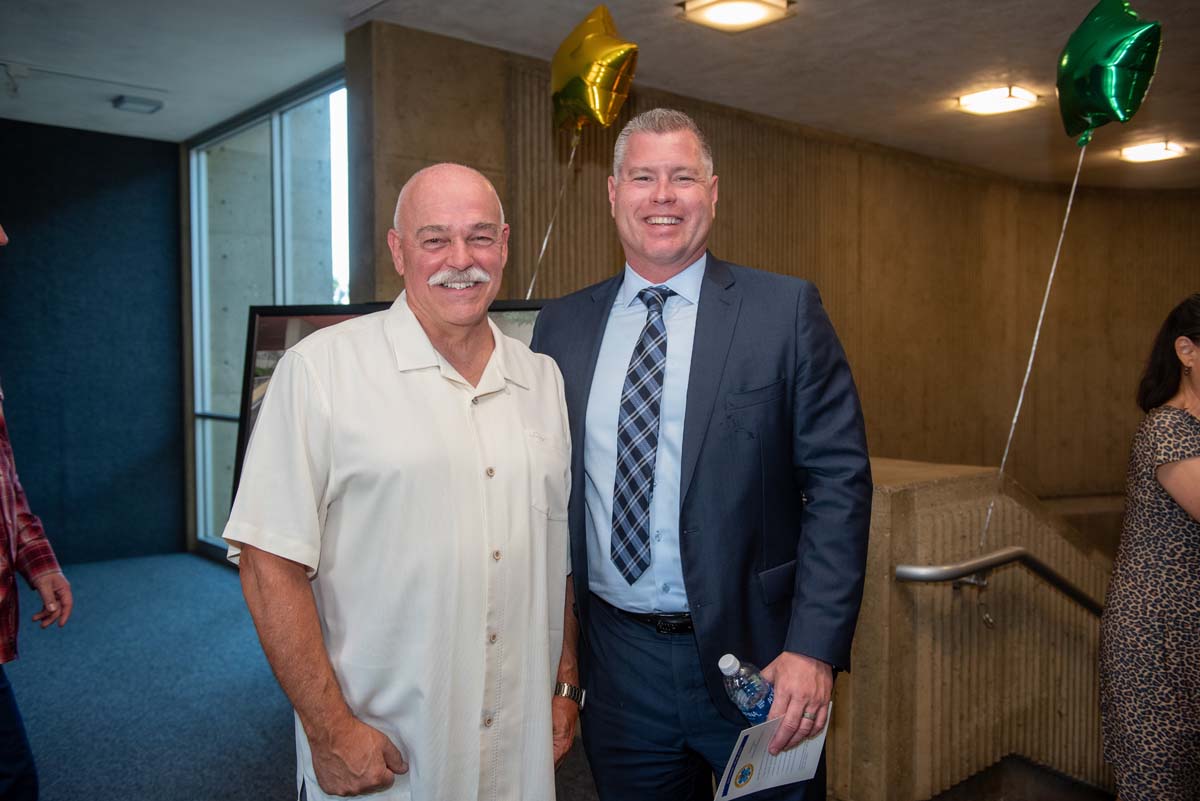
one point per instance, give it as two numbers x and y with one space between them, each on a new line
269 226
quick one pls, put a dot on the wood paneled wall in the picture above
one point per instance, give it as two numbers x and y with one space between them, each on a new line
932 273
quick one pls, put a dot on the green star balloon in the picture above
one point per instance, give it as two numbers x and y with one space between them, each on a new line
1106 68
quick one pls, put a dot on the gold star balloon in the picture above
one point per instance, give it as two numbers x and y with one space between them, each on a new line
591 73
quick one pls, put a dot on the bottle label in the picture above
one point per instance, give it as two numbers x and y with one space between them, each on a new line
757 713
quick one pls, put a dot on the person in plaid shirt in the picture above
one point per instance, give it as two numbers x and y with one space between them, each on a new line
24 549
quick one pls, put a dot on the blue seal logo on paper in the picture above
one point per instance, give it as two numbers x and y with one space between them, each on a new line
744 775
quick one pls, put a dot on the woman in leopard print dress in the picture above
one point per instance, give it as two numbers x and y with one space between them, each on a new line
1150 632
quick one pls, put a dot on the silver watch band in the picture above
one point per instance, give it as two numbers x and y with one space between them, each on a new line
576 694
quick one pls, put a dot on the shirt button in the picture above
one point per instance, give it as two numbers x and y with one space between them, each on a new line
475 401
496 555
487 721
658 537
491 471
666 588
493 637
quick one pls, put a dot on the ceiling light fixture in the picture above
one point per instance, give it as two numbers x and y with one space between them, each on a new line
998 101
733 16
138 105
1154 151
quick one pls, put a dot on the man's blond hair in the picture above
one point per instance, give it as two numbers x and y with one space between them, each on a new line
660 121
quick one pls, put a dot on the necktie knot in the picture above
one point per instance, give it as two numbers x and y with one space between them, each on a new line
655 297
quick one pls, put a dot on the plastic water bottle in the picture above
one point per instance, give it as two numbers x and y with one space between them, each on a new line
747 688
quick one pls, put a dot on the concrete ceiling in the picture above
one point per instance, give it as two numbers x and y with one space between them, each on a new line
206 61
875 70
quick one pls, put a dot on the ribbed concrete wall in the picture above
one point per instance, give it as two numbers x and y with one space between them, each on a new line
583 247
936 695
932 273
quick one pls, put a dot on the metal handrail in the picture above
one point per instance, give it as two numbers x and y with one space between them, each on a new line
975 571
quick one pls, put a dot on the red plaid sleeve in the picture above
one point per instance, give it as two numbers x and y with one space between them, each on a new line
35 557
26 543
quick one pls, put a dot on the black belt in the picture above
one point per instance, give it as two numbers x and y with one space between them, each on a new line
673 623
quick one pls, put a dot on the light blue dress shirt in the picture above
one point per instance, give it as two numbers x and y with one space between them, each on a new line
660 588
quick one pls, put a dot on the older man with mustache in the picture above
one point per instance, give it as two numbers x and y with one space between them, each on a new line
401 526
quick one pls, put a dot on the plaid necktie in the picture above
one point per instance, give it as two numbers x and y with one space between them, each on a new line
637 440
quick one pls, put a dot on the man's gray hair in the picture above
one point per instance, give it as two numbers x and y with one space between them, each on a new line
660 121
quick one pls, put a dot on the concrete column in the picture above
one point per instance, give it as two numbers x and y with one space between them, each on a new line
414 99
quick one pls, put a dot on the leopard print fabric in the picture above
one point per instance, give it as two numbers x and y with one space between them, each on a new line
1150 632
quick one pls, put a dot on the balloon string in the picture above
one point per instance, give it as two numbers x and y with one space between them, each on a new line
554 216
987 521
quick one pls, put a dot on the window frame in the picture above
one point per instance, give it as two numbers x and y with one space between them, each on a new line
199 417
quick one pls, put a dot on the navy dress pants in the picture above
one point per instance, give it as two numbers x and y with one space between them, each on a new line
650 729
18 776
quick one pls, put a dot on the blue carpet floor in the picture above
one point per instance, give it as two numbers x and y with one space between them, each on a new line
157 690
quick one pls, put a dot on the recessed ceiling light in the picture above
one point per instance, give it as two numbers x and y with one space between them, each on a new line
138 105
998 101
1154 151
734 15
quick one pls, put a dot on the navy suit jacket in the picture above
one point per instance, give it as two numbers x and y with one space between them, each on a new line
776 484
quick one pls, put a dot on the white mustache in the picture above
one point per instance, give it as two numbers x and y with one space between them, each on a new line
449 275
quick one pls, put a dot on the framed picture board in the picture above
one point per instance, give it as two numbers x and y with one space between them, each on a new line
274 329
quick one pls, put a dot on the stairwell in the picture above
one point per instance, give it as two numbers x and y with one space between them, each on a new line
938 696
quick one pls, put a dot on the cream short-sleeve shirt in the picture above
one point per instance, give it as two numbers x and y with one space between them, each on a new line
431 516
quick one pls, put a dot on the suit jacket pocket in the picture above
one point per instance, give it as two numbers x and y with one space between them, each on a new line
778 583
755 397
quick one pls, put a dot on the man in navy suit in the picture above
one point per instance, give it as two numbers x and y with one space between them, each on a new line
721 490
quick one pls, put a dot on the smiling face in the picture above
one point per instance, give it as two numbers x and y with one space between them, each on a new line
663 202
451 245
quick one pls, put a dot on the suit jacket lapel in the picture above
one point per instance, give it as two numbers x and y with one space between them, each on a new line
592 320
579 367
720 300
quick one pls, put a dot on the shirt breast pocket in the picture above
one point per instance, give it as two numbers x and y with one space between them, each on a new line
550 487
549 473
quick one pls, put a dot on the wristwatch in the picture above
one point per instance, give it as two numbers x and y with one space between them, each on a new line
576 694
